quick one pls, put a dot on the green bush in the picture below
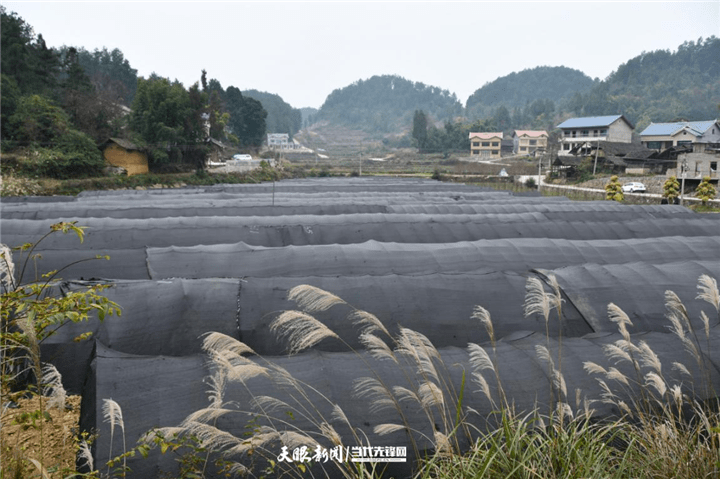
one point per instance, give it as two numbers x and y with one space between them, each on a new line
671 189
57 150
705 191
613 190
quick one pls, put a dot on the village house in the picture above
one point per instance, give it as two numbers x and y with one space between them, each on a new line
580 134
486 144
124 154
529 142
698 136
217 153
281 141
696 166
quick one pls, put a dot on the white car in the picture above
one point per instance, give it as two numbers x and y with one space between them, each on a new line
634 187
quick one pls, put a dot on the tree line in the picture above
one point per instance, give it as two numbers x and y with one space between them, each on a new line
63 103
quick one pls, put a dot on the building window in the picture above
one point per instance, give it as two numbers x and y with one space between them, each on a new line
566 146
476 143
495 152
533 142
494 143
713 166
603 132
522 148
585 132
485 143
654 145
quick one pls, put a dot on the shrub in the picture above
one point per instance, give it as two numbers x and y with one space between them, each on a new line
530 182
29 314
705 191
671 189
613 190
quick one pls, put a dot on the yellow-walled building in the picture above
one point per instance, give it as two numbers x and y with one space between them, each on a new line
485 144
124 154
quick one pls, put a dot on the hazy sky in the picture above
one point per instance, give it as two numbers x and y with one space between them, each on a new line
303 51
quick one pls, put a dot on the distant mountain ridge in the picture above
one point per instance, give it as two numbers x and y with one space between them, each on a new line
385 104
658 86
281 117
516 90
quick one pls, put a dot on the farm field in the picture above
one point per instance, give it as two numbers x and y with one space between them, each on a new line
402 258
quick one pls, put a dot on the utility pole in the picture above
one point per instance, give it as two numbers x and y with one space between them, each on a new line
539 172
684 168
597 150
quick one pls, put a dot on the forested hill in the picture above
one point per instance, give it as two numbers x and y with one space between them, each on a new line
516 90
281 117
660 86
384 104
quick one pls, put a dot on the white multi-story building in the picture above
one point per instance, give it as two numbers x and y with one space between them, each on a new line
700 135
278 141
580 134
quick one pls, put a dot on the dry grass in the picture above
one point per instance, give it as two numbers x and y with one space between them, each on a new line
665 431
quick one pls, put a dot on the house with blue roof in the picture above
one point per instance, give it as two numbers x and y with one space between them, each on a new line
579 135
697 135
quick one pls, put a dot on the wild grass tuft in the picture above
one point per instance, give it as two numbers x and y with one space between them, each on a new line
656 421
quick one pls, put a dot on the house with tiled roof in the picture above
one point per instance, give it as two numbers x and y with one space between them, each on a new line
529 142
580 134
486 144
699 135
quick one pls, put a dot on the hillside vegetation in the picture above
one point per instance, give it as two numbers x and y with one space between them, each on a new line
516 90
656 86
281 117
386 104
660 86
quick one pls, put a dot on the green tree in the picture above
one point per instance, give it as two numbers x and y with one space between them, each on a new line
168 119
26 58
281 117
613 190
37 120
705 190
10 98
502 118
671 189
420 129
247 118
114 80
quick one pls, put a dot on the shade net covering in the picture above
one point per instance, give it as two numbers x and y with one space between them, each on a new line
637 288
168 317
179 206
157 317
162 391
374 258
276 231
308 185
